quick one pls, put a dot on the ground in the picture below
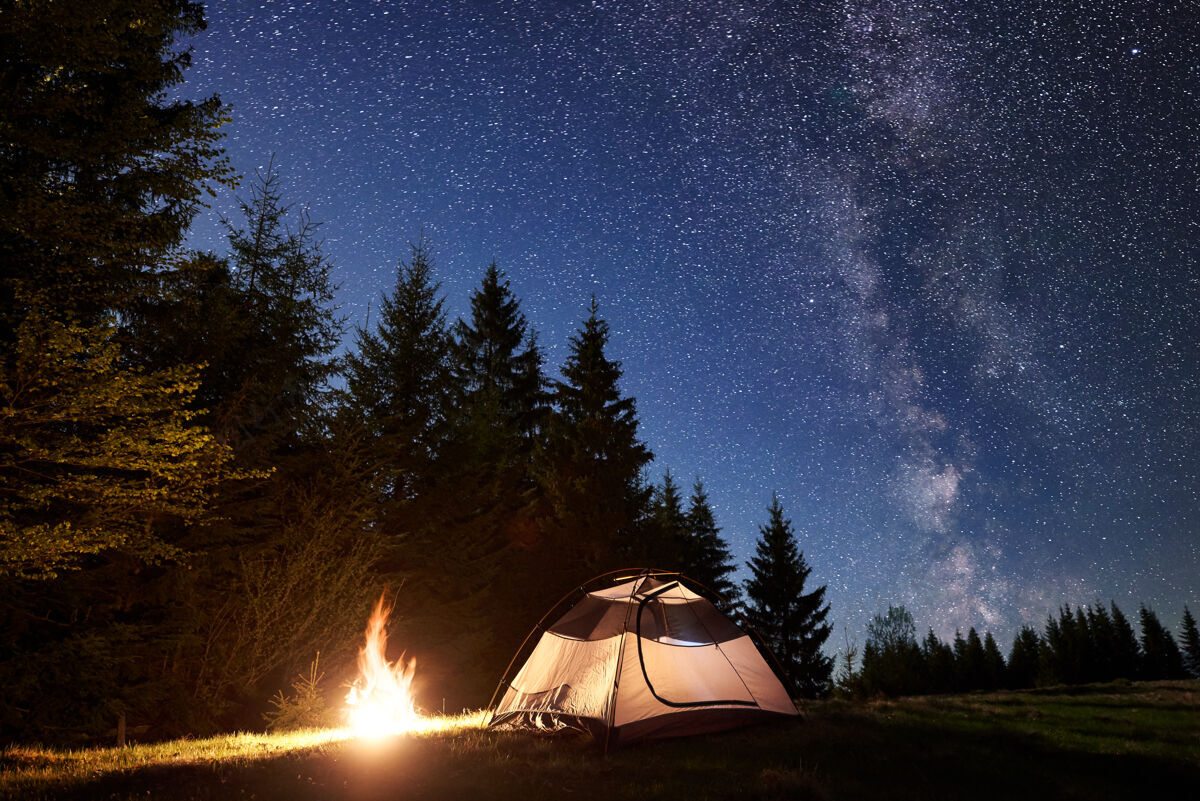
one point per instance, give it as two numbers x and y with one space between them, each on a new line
1112 741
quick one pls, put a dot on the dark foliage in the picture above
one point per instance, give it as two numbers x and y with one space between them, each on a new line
706 556
590 464
1161 658
1024 659
791 620
892 660
1190 640
99 172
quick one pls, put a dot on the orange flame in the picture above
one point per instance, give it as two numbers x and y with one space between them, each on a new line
380 701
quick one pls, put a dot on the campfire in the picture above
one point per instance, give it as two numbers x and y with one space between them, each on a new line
380 701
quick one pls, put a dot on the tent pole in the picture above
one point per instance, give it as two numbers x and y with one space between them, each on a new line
541 625
612 696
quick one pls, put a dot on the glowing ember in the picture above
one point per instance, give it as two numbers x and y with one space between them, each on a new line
380 700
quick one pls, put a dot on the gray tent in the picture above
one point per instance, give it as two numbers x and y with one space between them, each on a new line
641 656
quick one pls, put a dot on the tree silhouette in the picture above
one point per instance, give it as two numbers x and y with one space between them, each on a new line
398 382
667 540
1023 660
791 620
891 657
1126 656
1191 644
938 661
591 460
707 557
1161 658
993 664
974 668
1103 643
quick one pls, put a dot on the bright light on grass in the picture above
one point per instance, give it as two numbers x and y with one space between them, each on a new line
25 767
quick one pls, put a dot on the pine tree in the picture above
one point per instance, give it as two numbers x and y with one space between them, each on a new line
668 543
962 677
398 382
937 658
480 510
1103 643
284 283
791 620
1066 644
100 171
1161 658
1190 640
489 491
993 664
707 556
591 461
1023 660
1073 658
1126 656
974 668
497 361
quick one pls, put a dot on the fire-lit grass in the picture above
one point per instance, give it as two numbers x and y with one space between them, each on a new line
1112 741
41 770
27 767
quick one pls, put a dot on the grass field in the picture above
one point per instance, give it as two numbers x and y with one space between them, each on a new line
1111 741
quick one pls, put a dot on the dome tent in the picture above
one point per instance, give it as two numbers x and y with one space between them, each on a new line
639 656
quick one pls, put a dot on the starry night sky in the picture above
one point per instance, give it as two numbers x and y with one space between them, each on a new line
929 270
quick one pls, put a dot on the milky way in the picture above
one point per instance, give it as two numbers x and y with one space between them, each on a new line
928 270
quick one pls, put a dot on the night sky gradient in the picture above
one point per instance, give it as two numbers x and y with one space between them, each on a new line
928 270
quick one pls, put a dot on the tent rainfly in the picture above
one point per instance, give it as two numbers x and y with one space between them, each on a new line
643 656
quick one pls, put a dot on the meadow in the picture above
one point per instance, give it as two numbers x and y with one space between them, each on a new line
1119 740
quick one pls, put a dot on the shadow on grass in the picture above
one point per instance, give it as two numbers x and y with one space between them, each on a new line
902 757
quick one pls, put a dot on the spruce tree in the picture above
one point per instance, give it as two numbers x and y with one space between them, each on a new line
791 620
1161 658
961 663
1066 644
483 505
707 557
284 281
1126 655
1103 643
975 667
993 664
591 461
1023 660
937 658
1190 640
498 362
101 170
1073 656
398 383
668 535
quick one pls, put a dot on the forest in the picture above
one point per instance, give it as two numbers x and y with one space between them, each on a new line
1090 644
208 476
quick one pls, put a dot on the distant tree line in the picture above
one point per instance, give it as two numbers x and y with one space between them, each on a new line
201 490
1079 646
